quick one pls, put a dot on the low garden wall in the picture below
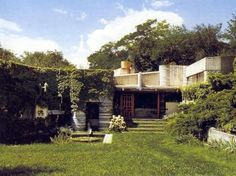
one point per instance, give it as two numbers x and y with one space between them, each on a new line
215 135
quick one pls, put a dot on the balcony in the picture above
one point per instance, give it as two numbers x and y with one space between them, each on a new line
138 80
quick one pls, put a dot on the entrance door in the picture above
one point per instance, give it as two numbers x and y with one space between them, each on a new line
127 105
92 116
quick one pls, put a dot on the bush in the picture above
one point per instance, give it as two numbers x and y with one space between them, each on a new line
196 91
117 124
188 139
196 118
220 82
63 136
229 146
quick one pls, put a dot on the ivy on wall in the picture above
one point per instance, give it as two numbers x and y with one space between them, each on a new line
21 87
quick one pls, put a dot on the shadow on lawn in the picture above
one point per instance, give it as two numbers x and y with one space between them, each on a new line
26 171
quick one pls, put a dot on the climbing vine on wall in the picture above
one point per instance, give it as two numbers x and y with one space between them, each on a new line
20 86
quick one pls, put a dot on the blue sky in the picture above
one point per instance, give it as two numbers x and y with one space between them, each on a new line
80 27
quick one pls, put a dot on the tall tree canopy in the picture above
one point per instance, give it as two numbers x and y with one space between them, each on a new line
51 59
7 55
230 35
154 43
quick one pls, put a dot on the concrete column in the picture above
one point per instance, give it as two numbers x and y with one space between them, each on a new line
184 76
139 81
164 75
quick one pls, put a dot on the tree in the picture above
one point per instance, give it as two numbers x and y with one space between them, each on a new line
7 55
207 41
108 57
155 43
230 35
49 59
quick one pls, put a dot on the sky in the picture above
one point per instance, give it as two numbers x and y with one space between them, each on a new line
78 28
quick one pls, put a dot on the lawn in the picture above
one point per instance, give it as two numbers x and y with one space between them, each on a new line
130 154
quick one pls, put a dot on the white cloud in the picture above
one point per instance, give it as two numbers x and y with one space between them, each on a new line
9 26
82 16
19 43
121 7
61 11
161 3
113 30
78 54
103 21
120 26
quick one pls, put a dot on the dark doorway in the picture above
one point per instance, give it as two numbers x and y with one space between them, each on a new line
146 105
92 115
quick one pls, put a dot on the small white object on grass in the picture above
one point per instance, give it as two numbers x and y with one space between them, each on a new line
107 139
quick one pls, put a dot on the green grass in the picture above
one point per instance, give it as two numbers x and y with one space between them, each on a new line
130 154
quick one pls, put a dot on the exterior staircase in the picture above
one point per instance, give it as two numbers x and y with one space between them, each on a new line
147 125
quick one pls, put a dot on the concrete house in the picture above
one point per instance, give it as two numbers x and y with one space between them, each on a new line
156 94
152 95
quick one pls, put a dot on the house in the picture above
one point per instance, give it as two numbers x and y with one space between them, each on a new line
156 94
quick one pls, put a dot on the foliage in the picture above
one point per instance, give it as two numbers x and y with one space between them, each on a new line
7 55
207 41
215 111
108 57
187 139
230 35
214 106
63 136
229 146
25 131
50 59
155 43
220 82
68 89
196 91
117 124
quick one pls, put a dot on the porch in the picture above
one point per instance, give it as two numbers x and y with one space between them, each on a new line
145 104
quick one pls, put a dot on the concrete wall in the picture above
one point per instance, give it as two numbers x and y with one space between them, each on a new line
206 65
150 79
223 64
196 67
176 75
105 114
227 64
172 75
171 107
215 135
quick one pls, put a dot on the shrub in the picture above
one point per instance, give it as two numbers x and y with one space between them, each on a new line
63 136
229 146
117 124
196 118
188 139
220 82
196 91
